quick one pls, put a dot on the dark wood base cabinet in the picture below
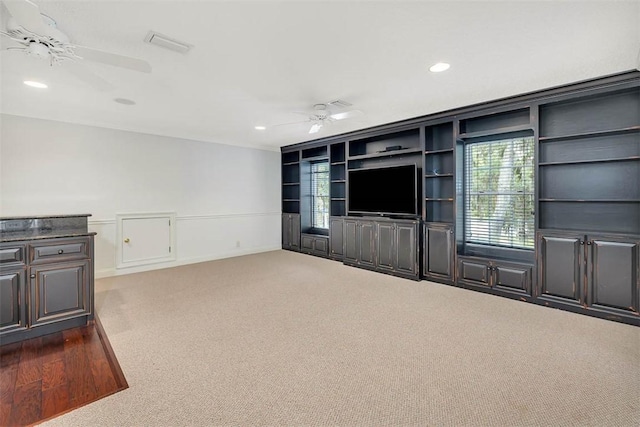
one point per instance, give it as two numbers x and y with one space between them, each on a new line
46 285
500 277
383 245
291 231
439 252
336 238
314 245
593 274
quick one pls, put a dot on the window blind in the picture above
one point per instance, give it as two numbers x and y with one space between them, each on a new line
499 192
320 194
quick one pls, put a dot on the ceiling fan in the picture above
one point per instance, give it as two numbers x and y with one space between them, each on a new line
322 115
38 36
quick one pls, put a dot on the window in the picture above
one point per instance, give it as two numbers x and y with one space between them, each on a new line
499 188
320 194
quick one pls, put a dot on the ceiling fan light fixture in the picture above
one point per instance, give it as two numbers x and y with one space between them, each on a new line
315 128
439 67
33 83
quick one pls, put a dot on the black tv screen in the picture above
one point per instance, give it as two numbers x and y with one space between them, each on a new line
388 190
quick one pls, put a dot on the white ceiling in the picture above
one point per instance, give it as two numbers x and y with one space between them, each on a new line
255 63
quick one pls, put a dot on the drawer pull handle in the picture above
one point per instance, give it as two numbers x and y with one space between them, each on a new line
60 252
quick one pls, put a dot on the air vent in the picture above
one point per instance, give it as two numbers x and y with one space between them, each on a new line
340 103
167 42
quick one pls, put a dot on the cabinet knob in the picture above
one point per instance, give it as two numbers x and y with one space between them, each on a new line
60 251
126 240
33 276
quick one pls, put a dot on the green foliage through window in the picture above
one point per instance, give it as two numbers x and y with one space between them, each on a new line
320 194
499 187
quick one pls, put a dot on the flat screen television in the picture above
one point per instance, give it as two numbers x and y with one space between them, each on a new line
383 191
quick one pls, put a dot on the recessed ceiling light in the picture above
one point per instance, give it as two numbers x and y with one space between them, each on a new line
439 67
125 101
32 83
260 127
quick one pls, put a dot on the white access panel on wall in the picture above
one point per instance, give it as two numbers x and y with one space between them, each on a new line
145 238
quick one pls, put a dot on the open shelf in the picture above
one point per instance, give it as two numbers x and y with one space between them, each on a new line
600 148
439 164
575 162
591 200
291 174
402 152
439 210
604 217
583 135
590 181
337 153
338 207
496 123
290 157
376 146
448 150
315 153
497 132
596 115
291 206
337 190
441 175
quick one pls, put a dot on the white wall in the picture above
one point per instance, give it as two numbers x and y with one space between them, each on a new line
221 194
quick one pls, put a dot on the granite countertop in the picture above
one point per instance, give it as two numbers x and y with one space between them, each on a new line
43 216
43 227
37 234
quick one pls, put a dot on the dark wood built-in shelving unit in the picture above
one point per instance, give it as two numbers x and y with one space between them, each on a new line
585 255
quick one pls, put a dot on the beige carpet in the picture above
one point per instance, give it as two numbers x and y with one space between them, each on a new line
281 338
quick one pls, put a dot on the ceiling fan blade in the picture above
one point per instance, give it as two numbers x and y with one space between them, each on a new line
27 15
112 59
290 123
346 115
315 128
88 77
21 41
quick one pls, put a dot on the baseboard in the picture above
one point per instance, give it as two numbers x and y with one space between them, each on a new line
110 272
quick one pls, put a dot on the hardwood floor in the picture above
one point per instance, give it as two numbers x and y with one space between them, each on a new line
44 377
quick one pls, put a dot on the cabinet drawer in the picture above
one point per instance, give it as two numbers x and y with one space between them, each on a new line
12 255
60 250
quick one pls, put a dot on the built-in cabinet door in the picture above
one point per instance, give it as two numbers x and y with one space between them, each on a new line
291 231
405 248
560 266
306 244
367 253
385 245
613 271
59 292
13 314
351 243
474 272
295 232
438 251
336 241
511 277
286 231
